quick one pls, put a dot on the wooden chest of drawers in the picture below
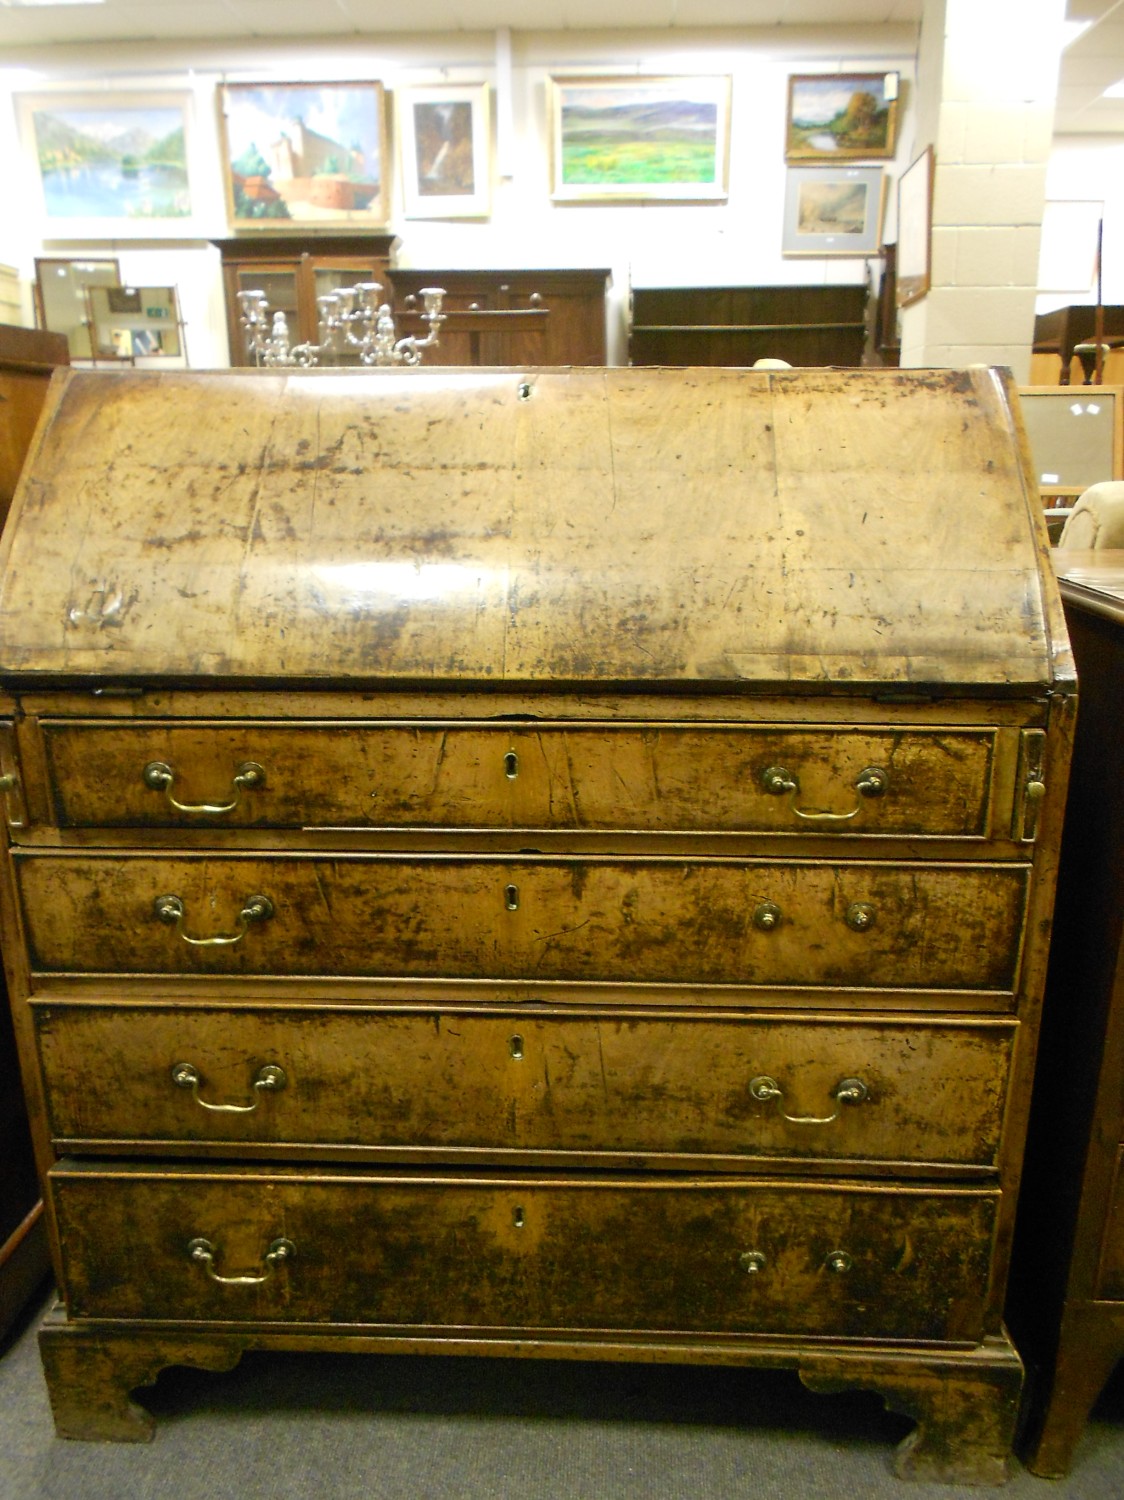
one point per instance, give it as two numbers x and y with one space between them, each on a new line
538 862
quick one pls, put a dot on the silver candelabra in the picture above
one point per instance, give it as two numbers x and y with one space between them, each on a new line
350 318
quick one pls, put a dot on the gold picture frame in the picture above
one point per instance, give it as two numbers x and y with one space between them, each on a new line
915 228
841 117
305 155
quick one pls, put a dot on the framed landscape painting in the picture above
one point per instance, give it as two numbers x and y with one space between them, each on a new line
445 136
110 165
306 155
841 116
640 138
833 211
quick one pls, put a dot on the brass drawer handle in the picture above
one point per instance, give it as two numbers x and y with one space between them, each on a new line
873 781
766 916
846 1091
752 1262
202 1252
269 1079
839 1262
161 778
170 910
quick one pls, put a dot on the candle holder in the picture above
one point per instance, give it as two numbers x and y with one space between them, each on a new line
351 318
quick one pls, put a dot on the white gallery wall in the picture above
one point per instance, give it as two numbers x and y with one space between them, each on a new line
732 242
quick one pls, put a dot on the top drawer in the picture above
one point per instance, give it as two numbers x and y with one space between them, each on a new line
655 777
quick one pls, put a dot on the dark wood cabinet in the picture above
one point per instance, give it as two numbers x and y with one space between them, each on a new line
292 272
1067 1304
736 325
510 317
28 357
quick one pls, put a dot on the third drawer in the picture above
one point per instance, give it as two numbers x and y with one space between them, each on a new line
490 1084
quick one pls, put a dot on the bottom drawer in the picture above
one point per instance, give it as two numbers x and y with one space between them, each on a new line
492 1251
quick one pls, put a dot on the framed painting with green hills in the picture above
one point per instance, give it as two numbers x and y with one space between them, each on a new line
841 116
645 138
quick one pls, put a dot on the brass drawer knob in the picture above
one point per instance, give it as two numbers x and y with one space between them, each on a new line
847 1091
752 1261
171 911
872 781
269 1079
839 1262
160 777
766 916
859 916
202 1252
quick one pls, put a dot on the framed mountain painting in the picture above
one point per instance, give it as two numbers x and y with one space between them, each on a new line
640 138
110 165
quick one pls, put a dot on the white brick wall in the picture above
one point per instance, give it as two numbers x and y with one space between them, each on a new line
987 82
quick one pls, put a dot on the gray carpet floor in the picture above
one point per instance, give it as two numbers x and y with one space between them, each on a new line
339 1427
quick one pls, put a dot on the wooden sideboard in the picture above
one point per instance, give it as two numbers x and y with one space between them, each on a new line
510 317
736 325
28 357
1067 1289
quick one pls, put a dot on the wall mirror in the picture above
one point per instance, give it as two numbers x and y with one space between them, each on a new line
60 291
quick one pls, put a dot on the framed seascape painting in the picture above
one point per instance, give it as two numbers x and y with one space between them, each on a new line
841 116
309 155
110 165
640 138
832 211
445 140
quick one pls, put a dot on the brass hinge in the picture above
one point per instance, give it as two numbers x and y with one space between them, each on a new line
11 784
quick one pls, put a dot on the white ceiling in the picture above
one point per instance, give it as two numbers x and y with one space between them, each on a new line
1089 65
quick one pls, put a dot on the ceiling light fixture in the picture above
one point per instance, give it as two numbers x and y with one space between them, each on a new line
27 4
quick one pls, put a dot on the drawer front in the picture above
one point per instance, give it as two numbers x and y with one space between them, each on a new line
718 921
655 778
493 1253
517 1082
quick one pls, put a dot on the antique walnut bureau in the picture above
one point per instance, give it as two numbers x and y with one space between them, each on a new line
535 862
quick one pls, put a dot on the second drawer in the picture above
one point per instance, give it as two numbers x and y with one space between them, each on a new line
667 921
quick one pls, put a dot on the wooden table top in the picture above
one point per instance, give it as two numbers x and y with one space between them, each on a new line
1093 580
